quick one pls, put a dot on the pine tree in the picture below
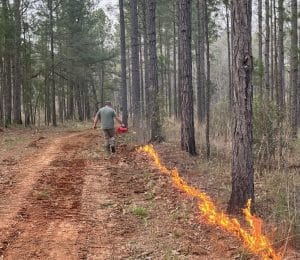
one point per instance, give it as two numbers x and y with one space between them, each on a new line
242 161
156 134
18 68
267 49
294 69
123 64
187 108
200 60
135 64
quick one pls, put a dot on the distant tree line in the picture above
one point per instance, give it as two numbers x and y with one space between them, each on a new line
54 60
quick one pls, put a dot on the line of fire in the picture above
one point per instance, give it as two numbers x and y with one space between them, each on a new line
252 237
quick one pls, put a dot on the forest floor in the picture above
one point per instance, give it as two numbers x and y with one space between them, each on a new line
63 197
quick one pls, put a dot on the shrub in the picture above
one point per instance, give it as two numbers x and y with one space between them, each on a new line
265 131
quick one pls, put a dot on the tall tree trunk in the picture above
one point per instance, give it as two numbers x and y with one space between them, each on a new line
260 58
242 161
281 87
47 90
7 88
18 69
229 58
175 95
168 72
61 100
26 79
200 60
208 83
70 85
129 92
179 63
135 64
275 52
142 112
70 100
146 63
298 83
47 101
156 130
101 90
123 65
281 98
294 69
1 93
161 60
187 108
267 49
78 98
53 106
271 80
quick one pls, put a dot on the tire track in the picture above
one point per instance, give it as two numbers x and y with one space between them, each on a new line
41 221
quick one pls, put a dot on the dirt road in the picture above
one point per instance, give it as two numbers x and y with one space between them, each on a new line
69 200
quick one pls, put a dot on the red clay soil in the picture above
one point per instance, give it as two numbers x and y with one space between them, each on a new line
67 199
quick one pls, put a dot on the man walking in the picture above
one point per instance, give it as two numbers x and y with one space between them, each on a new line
106 115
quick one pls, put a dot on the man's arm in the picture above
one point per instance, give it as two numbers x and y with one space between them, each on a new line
119 121
96 119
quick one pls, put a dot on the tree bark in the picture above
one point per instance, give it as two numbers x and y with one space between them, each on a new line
156 130
26 80
200 60
123 65
179 62
242 161
7 88
175 95
229 58
135 64
18 68
61 100
146 64
281 98
267 49
298 83
260 58
280 87
47 100
142 101
208 83
272 81
102 79
275 52
294 69
187 108
70 100
168 72
161 61
52 73
1 93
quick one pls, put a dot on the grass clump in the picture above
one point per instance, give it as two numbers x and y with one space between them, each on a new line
42 195
140 212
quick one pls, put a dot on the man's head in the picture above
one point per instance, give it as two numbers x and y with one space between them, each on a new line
108 103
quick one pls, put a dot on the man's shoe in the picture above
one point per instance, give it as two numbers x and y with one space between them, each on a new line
113 149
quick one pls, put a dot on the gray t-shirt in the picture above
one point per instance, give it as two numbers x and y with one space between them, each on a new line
106 115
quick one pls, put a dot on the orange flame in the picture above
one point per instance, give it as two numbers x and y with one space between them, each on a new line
254 240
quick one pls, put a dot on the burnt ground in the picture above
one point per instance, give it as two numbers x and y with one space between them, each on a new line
63 197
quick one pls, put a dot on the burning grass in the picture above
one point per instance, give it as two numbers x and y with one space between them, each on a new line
252 237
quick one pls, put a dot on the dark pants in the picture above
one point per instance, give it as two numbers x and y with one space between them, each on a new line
109 135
